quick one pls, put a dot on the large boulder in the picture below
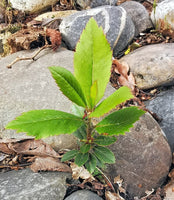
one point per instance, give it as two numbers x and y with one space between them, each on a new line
29 86
117 26
152 65
32 6
163 15
26 185
143 157
139 16
163 106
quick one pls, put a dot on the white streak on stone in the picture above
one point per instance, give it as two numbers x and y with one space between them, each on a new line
122 24
104 12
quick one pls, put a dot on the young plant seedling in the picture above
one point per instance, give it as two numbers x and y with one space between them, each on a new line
92 66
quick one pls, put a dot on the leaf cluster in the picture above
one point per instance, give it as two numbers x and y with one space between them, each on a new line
92 66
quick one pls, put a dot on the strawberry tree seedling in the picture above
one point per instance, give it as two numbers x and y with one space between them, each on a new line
92 66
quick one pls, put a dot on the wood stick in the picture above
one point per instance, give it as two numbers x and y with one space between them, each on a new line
28 58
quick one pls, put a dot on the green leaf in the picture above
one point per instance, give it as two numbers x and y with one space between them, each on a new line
68 85
119 121
91 163
77 110
105 140
85 148
81 159
44 123
69 155
93 94
81 132
104 154
92 60
100 163
121 95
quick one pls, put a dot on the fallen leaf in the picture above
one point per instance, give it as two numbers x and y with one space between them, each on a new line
49 164
125 77
80 172
4 148
27 147
33 147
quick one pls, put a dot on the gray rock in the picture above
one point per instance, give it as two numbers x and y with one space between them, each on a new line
152 65
117 26
29 85
163 106
83 194
26 185
139 16
92 4
32 6
143 157
163 13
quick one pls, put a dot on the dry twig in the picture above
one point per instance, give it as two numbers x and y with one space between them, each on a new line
28 58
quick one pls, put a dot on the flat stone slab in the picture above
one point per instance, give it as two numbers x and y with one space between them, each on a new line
26 185
30 86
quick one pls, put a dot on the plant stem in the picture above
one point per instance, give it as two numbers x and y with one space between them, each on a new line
89 129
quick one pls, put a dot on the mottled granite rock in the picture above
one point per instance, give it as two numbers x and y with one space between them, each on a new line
152 65
26 185
143 157
117 26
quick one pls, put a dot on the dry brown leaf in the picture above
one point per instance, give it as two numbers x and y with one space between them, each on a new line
55 37
4 148
33 147
125 77
80 172
27 147
49 164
